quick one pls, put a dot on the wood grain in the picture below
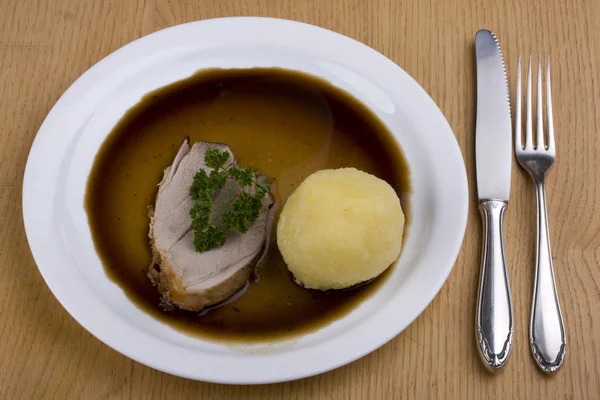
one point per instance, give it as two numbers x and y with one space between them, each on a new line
46 45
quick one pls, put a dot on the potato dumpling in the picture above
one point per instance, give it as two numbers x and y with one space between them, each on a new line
339 228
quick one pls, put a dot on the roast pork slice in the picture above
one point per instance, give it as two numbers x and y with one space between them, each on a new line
185 277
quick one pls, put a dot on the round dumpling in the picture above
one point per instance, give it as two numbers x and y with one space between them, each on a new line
339 228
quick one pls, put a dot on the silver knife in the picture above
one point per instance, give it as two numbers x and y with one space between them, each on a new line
493 154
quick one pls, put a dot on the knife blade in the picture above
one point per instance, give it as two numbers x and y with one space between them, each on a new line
493 152
493 133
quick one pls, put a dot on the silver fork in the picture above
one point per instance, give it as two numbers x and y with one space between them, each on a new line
546 330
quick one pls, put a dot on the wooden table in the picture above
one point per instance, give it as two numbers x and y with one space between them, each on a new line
46 45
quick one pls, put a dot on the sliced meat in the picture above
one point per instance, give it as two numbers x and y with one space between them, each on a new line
185 277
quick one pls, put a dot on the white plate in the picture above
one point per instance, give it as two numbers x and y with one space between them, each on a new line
62 154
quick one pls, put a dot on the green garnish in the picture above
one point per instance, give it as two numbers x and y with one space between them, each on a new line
239 211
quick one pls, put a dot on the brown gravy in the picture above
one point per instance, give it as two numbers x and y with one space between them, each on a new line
284 124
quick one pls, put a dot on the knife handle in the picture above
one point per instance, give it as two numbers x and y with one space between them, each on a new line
494 321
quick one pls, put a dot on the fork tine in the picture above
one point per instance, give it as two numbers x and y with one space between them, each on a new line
528 121
518 124
550 146
539 142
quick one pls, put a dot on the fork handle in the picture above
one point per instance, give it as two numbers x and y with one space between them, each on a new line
494 320
546 330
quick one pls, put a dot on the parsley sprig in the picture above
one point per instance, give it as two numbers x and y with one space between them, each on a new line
239 211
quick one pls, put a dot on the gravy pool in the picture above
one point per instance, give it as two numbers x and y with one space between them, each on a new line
284 124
